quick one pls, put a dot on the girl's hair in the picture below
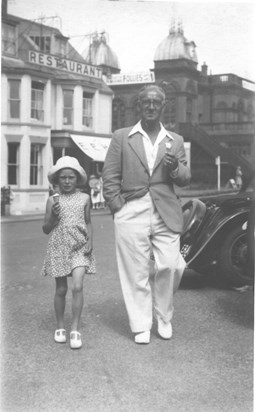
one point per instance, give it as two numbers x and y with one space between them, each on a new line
56 176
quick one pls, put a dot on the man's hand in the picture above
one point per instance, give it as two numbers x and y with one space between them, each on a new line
171 161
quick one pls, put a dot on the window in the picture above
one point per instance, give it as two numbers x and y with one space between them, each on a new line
87 113
250 112
9 39
240 111
221 112
57 153
189 110
43 42
36 168
14 99
136 110
243 149
37 92
13 166
62 48
169 114
118 114
68 107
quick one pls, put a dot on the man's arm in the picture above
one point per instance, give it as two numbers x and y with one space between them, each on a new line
112 174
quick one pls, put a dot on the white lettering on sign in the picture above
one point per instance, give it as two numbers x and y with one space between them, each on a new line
142 77
55 62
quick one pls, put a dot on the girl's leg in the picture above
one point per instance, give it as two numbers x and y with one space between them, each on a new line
77 291
60 300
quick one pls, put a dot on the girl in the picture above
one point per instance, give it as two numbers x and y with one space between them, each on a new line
69 251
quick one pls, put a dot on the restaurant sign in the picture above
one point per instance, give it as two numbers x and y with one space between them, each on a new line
128 78
56 62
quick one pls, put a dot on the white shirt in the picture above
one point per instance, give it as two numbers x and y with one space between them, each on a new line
151 150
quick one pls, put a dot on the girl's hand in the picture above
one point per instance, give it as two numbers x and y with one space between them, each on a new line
89 247
55 210
51 216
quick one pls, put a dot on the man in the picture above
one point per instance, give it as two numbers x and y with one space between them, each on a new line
142 165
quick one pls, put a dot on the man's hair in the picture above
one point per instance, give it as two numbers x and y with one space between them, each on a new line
152 87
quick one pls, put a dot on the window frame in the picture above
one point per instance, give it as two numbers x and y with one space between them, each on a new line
36 165
42 42
87 112
118 113
37 110
15 165
189 110
12 100
69 109
7 40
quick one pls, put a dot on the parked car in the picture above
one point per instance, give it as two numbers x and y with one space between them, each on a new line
219 235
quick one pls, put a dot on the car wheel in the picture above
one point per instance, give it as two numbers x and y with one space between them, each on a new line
233 258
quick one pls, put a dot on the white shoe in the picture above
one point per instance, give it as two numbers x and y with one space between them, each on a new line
60 336
75 340
143 337
165 330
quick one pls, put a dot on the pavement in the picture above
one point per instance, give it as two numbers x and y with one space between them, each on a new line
206 367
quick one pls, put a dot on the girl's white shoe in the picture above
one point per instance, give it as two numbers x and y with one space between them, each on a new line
75 340
60 336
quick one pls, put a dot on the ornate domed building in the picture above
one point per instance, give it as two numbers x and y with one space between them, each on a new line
214 113
176 46
100 54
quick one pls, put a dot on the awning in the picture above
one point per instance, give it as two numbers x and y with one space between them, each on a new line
94 147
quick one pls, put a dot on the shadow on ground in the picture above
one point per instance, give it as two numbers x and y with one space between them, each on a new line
194 280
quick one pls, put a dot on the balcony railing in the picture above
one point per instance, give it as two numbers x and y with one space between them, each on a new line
244 127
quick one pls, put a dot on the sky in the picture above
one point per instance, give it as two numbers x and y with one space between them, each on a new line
224 32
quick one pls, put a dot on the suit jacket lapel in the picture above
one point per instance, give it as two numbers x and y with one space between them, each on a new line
161 152
136 142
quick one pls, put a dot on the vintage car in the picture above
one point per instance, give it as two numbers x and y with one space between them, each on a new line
218 235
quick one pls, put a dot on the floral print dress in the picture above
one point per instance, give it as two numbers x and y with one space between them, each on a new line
67 247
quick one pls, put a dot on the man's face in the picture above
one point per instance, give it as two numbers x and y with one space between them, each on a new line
151 104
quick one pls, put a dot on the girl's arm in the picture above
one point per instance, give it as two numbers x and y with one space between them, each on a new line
51 216
89 225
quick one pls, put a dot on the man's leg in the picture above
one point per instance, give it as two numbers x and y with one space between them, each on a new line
169 269
133 252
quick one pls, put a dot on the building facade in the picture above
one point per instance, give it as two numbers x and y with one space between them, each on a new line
53 103
215 113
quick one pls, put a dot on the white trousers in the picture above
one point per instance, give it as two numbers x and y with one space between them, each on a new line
139 230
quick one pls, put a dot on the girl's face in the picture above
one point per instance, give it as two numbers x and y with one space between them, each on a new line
67 180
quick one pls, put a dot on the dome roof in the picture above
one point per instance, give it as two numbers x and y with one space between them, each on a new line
176 46
100 54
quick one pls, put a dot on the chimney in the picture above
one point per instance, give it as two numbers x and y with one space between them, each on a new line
4 8
204 68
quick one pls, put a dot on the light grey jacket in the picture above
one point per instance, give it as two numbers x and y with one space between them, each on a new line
126 175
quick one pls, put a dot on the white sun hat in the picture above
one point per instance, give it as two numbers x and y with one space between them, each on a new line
67 162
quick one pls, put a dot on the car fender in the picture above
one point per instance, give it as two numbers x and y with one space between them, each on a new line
217 224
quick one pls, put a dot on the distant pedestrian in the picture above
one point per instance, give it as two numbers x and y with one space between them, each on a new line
231 184
102 199
69 251
95 191
238 178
